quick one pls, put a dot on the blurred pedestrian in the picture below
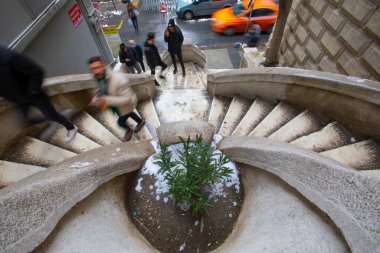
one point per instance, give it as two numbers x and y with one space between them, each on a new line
139 51
20 82
253 36
132 14
130 57
153 58
115 93
174 37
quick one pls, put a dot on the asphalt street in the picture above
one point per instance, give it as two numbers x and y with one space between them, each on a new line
198 30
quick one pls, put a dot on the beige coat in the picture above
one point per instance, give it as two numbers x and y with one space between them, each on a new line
120 93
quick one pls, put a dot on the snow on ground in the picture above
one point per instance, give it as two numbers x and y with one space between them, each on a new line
79 165
161 185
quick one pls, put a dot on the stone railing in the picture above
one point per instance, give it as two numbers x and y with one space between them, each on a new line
348 197
352 101
190 53
31 208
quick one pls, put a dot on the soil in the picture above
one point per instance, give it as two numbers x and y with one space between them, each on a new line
170 229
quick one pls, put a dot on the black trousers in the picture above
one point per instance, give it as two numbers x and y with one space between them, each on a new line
142 65
122 121
43 104
153 69
179 54
135 23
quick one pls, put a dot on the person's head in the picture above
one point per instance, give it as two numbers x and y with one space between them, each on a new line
151 37
171 25
123 47
97 67
132 43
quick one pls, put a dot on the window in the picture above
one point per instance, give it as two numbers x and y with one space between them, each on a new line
262 12
238 9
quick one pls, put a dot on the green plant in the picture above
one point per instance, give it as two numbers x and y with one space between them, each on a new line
197 167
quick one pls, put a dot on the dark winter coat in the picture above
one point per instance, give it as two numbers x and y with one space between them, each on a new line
20 77
130 54
174 40
139 52
152 56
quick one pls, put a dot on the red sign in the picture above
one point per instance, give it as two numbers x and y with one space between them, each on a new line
75 15
96 5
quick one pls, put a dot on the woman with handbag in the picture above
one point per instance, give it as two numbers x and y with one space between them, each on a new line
132 13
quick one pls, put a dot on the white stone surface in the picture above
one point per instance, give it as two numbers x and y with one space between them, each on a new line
276 218
98 224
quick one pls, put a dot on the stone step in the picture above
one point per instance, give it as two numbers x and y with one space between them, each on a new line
91 128
11 172
372 173
148 112
219 108
56 133
201 74
143 134
256 113
35 152
176 81
236 111
278 117
304 124
364 155
109 120
181 105
331 136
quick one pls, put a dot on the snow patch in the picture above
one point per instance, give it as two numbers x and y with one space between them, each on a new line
139 187
79 165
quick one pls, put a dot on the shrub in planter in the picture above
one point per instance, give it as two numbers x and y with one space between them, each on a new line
196 169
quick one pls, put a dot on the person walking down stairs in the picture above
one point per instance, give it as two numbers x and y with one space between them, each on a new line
21 82
114 93
174 37
152 56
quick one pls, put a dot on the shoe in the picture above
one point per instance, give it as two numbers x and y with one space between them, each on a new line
174 71
183 73
128 135
161 76
157 84
139 126
70 134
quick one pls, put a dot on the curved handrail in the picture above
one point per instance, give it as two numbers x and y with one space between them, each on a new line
31 208
350 198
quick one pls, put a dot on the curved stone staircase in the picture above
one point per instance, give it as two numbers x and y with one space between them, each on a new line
190 98
185 98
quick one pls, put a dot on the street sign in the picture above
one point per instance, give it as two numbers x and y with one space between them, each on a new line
75 15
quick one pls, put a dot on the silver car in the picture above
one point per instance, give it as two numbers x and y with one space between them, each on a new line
202 8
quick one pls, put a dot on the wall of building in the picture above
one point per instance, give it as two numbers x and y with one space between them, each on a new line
339 36
62 49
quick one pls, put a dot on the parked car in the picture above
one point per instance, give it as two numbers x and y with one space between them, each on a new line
203 8
234 19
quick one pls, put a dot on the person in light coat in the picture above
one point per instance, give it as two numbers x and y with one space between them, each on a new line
115 93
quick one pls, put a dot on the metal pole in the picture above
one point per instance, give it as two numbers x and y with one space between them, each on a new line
114 6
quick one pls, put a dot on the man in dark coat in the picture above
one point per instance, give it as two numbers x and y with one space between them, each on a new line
139 51
129 56
174 37
20 82
153 58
